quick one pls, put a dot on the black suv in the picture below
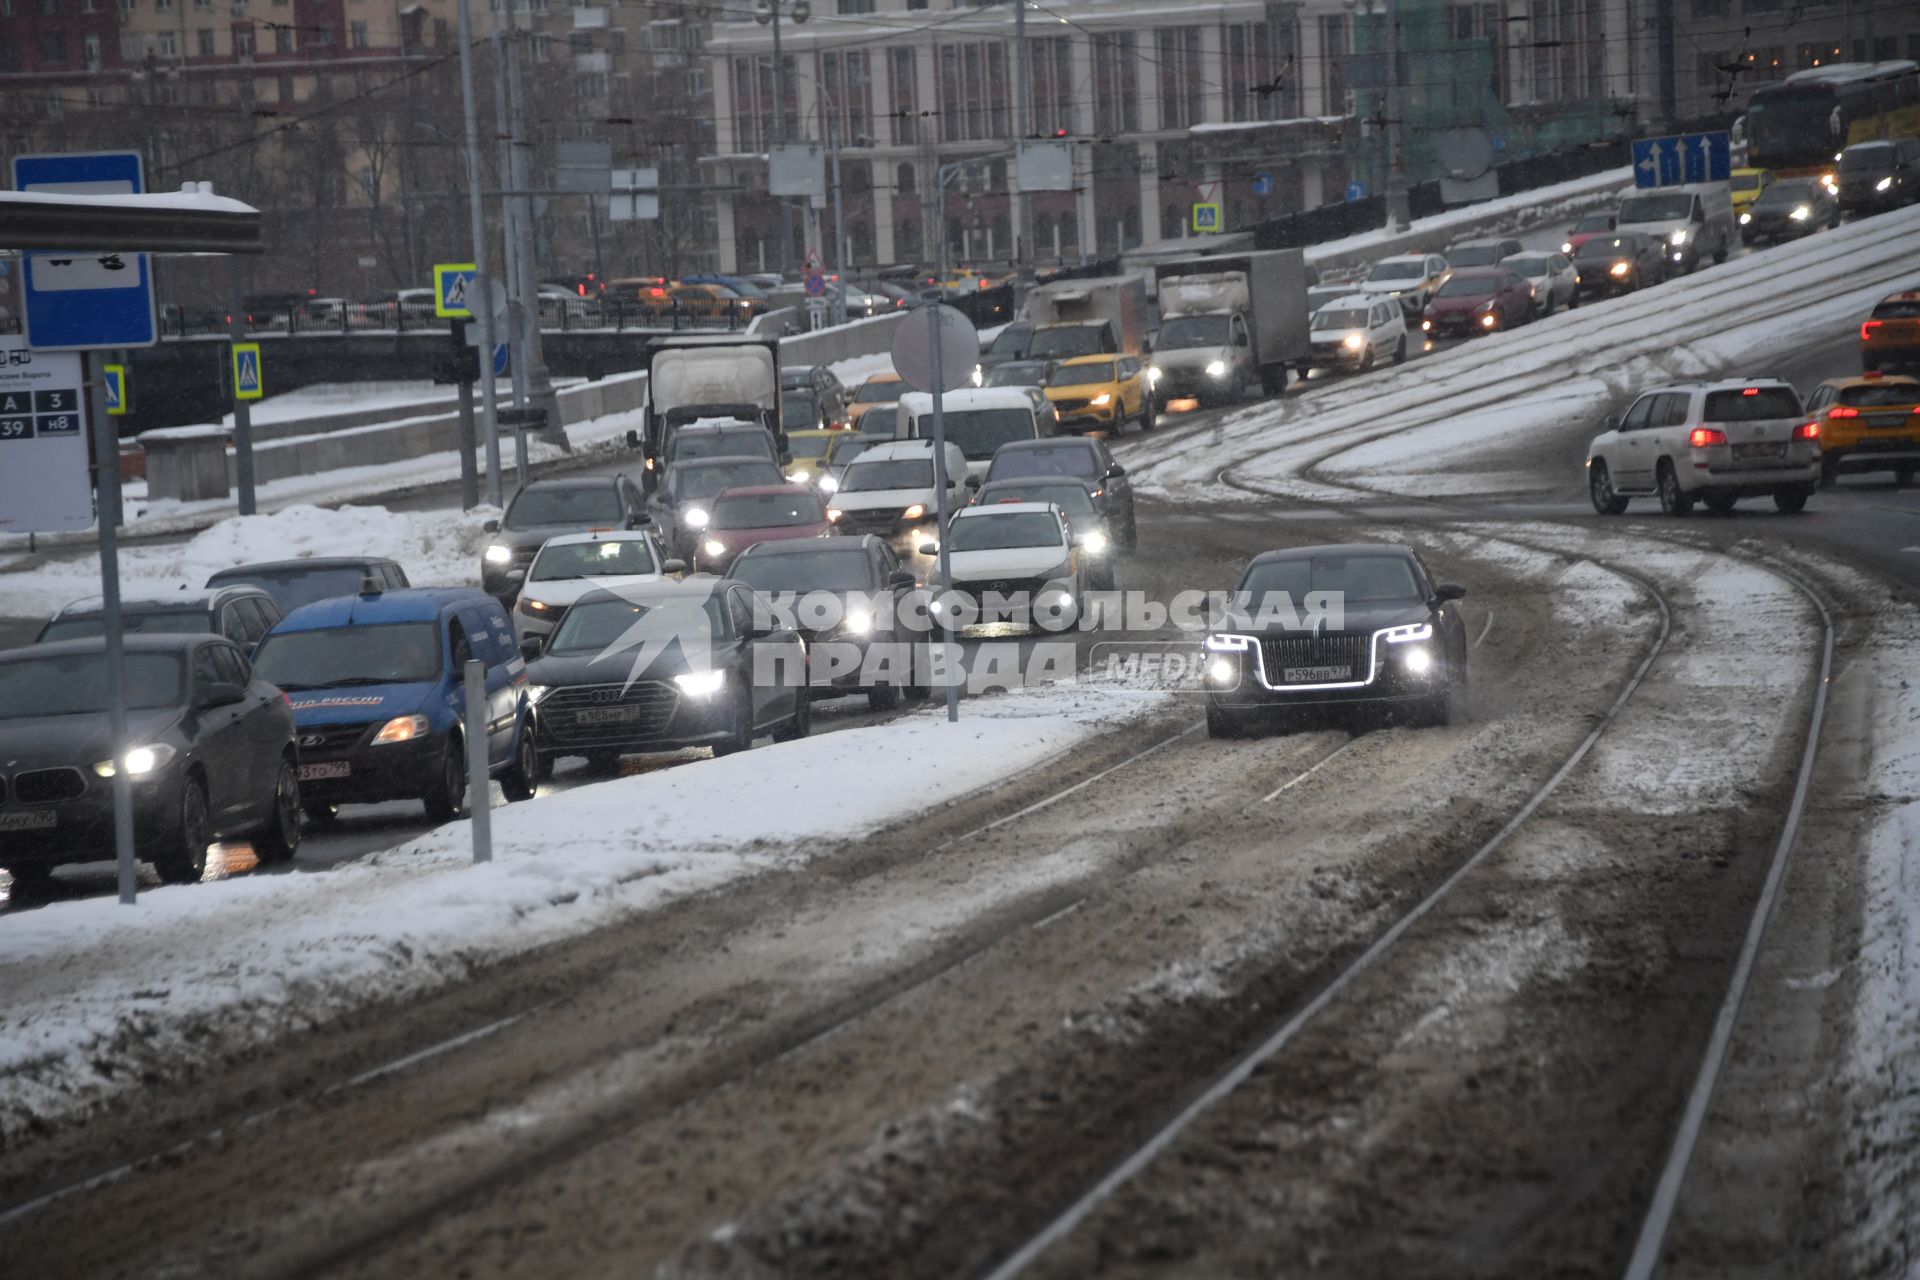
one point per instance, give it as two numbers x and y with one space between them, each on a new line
1882 174
1084 458
564 504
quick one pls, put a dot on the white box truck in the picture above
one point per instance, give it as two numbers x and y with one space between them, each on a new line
1104 315
1228 322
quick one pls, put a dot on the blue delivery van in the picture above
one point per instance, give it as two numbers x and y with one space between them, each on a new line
377 689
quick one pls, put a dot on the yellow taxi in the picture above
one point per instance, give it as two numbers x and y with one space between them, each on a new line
1868 423
1747 185
880 392
1101 393
809 449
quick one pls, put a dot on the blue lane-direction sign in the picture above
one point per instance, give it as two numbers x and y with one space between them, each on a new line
86 300
1263 184
1691 157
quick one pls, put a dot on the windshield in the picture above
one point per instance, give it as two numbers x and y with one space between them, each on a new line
1746 182
1004 532
898 473
878 392
768 510
1669 208
574 560
1528 264
751 442
1790 126
597 626
1404 269
1466 287
1341 318
1011 341
1021 373
806 446
339 657
1595 222
1785 195
1068 342
1082 375
1873 156
799 408
76 684
132 622
291 588
1370 578
1881 396
1473 255
1192 331
1606 247
979 432
1046 460
535 508
1897 309
805 571
848 445
1070 497
704 482
1752 404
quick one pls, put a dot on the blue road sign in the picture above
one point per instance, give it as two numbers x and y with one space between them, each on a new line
1691 157
86 300
816 285
1667 152
1263 184
247 383
500 359
1646 169
1356 191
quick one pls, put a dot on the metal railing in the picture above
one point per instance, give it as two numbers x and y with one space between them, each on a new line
556 314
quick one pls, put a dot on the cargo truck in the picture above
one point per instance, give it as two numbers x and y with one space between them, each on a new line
1105 315
1229 322
707 379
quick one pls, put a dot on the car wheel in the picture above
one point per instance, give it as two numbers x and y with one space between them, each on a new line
740 736
1224 724
802 723
320 813
1400 350
1149 414
30 881
1790 501
186 861
1600 489
1721 504
883 697
448 790
279 840
1830 472
520 782
1672 500
1366 361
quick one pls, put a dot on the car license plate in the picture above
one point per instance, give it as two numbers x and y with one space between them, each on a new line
326 769
1758 450
1315 675
607 715
30 820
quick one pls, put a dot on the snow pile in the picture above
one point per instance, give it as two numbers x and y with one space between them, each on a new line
436 548
99 996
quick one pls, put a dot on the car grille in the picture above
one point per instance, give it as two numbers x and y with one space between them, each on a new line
324 739
883 521
651 701
1284 652
1076 405
48 786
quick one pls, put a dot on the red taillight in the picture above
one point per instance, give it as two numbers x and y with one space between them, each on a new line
1704 436
1867 327
1873 373
1807 431
1843 411
1751 391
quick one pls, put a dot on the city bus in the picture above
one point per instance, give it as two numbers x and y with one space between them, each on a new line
1797 127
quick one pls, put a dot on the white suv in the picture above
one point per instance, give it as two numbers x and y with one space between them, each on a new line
888 491
1713 442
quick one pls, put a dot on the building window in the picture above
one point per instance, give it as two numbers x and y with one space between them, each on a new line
92 45
846 87
1255 79
323 35
206 89
442 33
856 6
903 101
283 39
284 88
974 93
357 34
203 42
53 47
755 123
243 43
169 47
905 181
1116 85
1336 46
1050 68
49 8
1182 87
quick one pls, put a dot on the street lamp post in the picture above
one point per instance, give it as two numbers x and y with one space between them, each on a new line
767 12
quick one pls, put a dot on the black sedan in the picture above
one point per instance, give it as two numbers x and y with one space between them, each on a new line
1391 638
1619 263
849 599
663 666
1789 209
210 757
1085 459
565 504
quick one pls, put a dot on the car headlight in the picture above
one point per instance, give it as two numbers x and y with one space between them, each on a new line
1566 246
1679 237
1153 373
1094 543
714 547
498 554
797 476
140 761
835 515
1745 218
914 512
1801 213
1217 369
1488 320
1220 671
1227 642
696 517
1104 398
1409 633
535 606
401 729
1620 268
1419 661
827 484
859 622
535 692
1885 184
1354 341
701 684
979 376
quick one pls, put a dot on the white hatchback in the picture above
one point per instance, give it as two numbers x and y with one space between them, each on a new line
1014 561
1712 442
572 564
1356 332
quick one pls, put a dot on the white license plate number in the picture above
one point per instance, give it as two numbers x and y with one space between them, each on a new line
607 715
326 769
1316 675
30 820
1758 450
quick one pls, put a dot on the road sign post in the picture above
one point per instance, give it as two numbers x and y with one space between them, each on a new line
85 301
455 286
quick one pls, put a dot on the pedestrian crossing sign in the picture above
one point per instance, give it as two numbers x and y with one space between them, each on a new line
116 380
1206 216
452 289
247 382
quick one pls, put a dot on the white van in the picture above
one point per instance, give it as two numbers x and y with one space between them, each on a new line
888 491
978 420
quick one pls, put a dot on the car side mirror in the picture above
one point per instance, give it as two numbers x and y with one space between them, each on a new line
903 581
633 439
673 566
530 647
786 459
1445 591
516 575
973 482
929 548
221 694
1116 472
1613 422
491 526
